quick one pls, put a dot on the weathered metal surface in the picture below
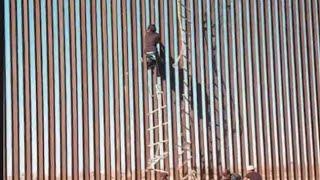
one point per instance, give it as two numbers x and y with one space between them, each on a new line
244 88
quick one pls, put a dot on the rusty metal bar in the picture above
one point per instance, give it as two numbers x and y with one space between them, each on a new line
85 135
13 166
279 92
61 98
313 8
140 87
242 72
306 86
286 93
194 89
211 89
131 88
249 59
111 90
235 89
68 81
95 138
149 95
28 150
39 95
168 90
79 92
265 87
51 126
272 87
203 92
257 90
101 93
313 97
74 119
121 96
90 41
219 74
300 89
105 77
294 113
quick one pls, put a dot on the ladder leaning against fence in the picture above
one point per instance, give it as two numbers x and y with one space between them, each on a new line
184 146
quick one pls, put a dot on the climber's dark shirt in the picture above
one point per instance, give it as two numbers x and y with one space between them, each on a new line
151 39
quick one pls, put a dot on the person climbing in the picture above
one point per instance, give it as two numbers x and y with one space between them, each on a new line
151 39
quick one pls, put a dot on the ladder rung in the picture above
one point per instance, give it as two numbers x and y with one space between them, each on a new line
158 143
157 126
184 17
184 144
156 159
185 150
160 171
157 109
164 155
155 95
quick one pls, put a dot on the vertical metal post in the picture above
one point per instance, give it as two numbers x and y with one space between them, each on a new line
187 100
111 89
176 42
33 88
211 91
131 88
294 112
235 88
45 85
258 106
90 85
279 87
313 121
243 84
68 86
79 85
265 95
272 85
121 95
203 91
8 119
316 96
20 86
250 79
100 88
227 83
141 120
194 89
149 90
300 95
218 63
167 63
301 57
286 91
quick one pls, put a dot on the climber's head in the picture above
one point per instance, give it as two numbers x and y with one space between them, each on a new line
152 28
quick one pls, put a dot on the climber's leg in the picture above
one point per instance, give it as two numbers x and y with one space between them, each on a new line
152 59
